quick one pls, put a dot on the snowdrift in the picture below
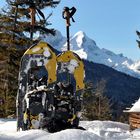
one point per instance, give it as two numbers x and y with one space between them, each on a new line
95 130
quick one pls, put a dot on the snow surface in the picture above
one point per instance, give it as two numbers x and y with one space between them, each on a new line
86 48
135 107
72 65
46 53
95 130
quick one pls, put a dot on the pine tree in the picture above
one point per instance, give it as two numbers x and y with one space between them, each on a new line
138 34
14 29
3 81
96 106
19 20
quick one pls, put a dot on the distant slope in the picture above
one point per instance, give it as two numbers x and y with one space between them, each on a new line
121 88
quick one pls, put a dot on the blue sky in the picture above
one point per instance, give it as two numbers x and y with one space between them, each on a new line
111 23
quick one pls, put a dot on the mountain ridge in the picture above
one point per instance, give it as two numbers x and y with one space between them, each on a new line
87 49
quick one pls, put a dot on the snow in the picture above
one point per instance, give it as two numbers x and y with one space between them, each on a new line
72 65
42 87
95 130
46 53
86 48
135 107
41 61
35 49
82 53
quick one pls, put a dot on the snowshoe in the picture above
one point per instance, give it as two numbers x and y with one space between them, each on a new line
42 102
38 61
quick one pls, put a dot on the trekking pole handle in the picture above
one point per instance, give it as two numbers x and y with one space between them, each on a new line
68 13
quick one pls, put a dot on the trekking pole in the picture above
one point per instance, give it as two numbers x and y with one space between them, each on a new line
32 14
67 14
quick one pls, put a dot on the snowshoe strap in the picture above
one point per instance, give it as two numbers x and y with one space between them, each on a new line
72 119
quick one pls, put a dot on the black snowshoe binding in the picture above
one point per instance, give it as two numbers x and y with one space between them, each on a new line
64 116
53 110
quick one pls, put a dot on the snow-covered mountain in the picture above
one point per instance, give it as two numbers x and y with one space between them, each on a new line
87 48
